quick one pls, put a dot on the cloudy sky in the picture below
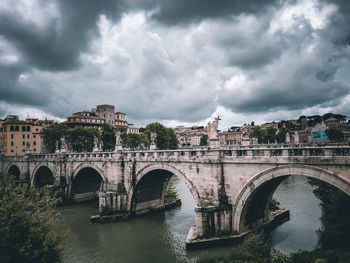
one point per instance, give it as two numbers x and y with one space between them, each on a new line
176 61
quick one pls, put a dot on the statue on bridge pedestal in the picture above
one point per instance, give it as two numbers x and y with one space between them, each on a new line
118 141
64 146
153 145
212 129
96 145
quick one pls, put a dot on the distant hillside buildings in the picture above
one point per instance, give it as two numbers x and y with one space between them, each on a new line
18 137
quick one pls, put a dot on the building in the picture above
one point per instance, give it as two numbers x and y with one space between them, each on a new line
105 112
230 138
332 123
318 134
190 136
84 118
100 115
17 137
120 120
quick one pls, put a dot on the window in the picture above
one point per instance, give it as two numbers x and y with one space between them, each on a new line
23 128
34 136
37 129
28 128
11 136
34 143
23 136
12 128
11 143
12 151
34 150
23 143
17 128
28 136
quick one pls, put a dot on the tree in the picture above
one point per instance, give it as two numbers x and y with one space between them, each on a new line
82 139
108 137
29 227
258 133
334 135
335 232
166 137
52 135
204 140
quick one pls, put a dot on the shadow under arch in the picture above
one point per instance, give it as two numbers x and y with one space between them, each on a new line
43 176
250 208
150 185
86 183
13 172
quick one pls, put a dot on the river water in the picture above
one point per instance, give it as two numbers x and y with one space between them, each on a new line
160 237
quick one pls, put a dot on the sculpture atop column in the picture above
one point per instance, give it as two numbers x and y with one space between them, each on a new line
153 145
96 145
118 141
64 146
212 129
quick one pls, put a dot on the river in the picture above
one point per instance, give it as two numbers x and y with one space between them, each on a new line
160 237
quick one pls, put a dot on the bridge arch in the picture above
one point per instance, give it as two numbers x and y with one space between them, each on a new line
270 179
168 171
13 171
86 181
43 175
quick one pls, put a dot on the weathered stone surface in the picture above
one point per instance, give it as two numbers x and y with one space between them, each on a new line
224 182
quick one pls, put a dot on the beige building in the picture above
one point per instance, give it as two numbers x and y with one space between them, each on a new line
230 138
100 115
84 118
17 137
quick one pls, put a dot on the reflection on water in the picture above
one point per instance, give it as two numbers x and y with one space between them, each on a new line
160 237
296 195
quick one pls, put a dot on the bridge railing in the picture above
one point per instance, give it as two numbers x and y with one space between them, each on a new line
202 153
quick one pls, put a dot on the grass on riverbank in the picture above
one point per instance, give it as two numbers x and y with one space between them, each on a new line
257 249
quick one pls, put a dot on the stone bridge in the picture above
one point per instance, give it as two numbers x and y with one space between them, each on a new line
231 187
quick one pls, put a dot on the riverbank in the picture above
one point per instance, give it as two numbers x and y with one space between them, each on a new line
277 218
125 216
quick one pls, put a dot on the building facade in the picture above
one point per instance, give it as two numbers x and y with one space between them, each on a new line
18 137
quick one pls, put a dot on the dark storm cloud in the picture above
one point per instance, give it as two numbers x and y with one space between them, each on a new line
184 11
58 44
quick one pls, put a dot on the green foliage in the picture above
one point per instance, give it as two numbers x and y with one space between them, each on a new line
335 135
274 205
52 135
254 249
133 140
29 226
170 192
257 245
302 257
335 232
108 137
82 139
278 256
204 140
166 137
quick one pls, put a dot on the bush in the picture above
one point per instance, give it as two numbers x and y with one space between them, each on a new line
257 245
29 227
278 256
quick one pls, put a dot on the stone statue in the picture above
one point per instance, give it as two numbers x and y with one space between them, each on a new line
153 145
153 138
212 128
57 147
296 137
63 145
287 137
118 138
118 141
96 145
